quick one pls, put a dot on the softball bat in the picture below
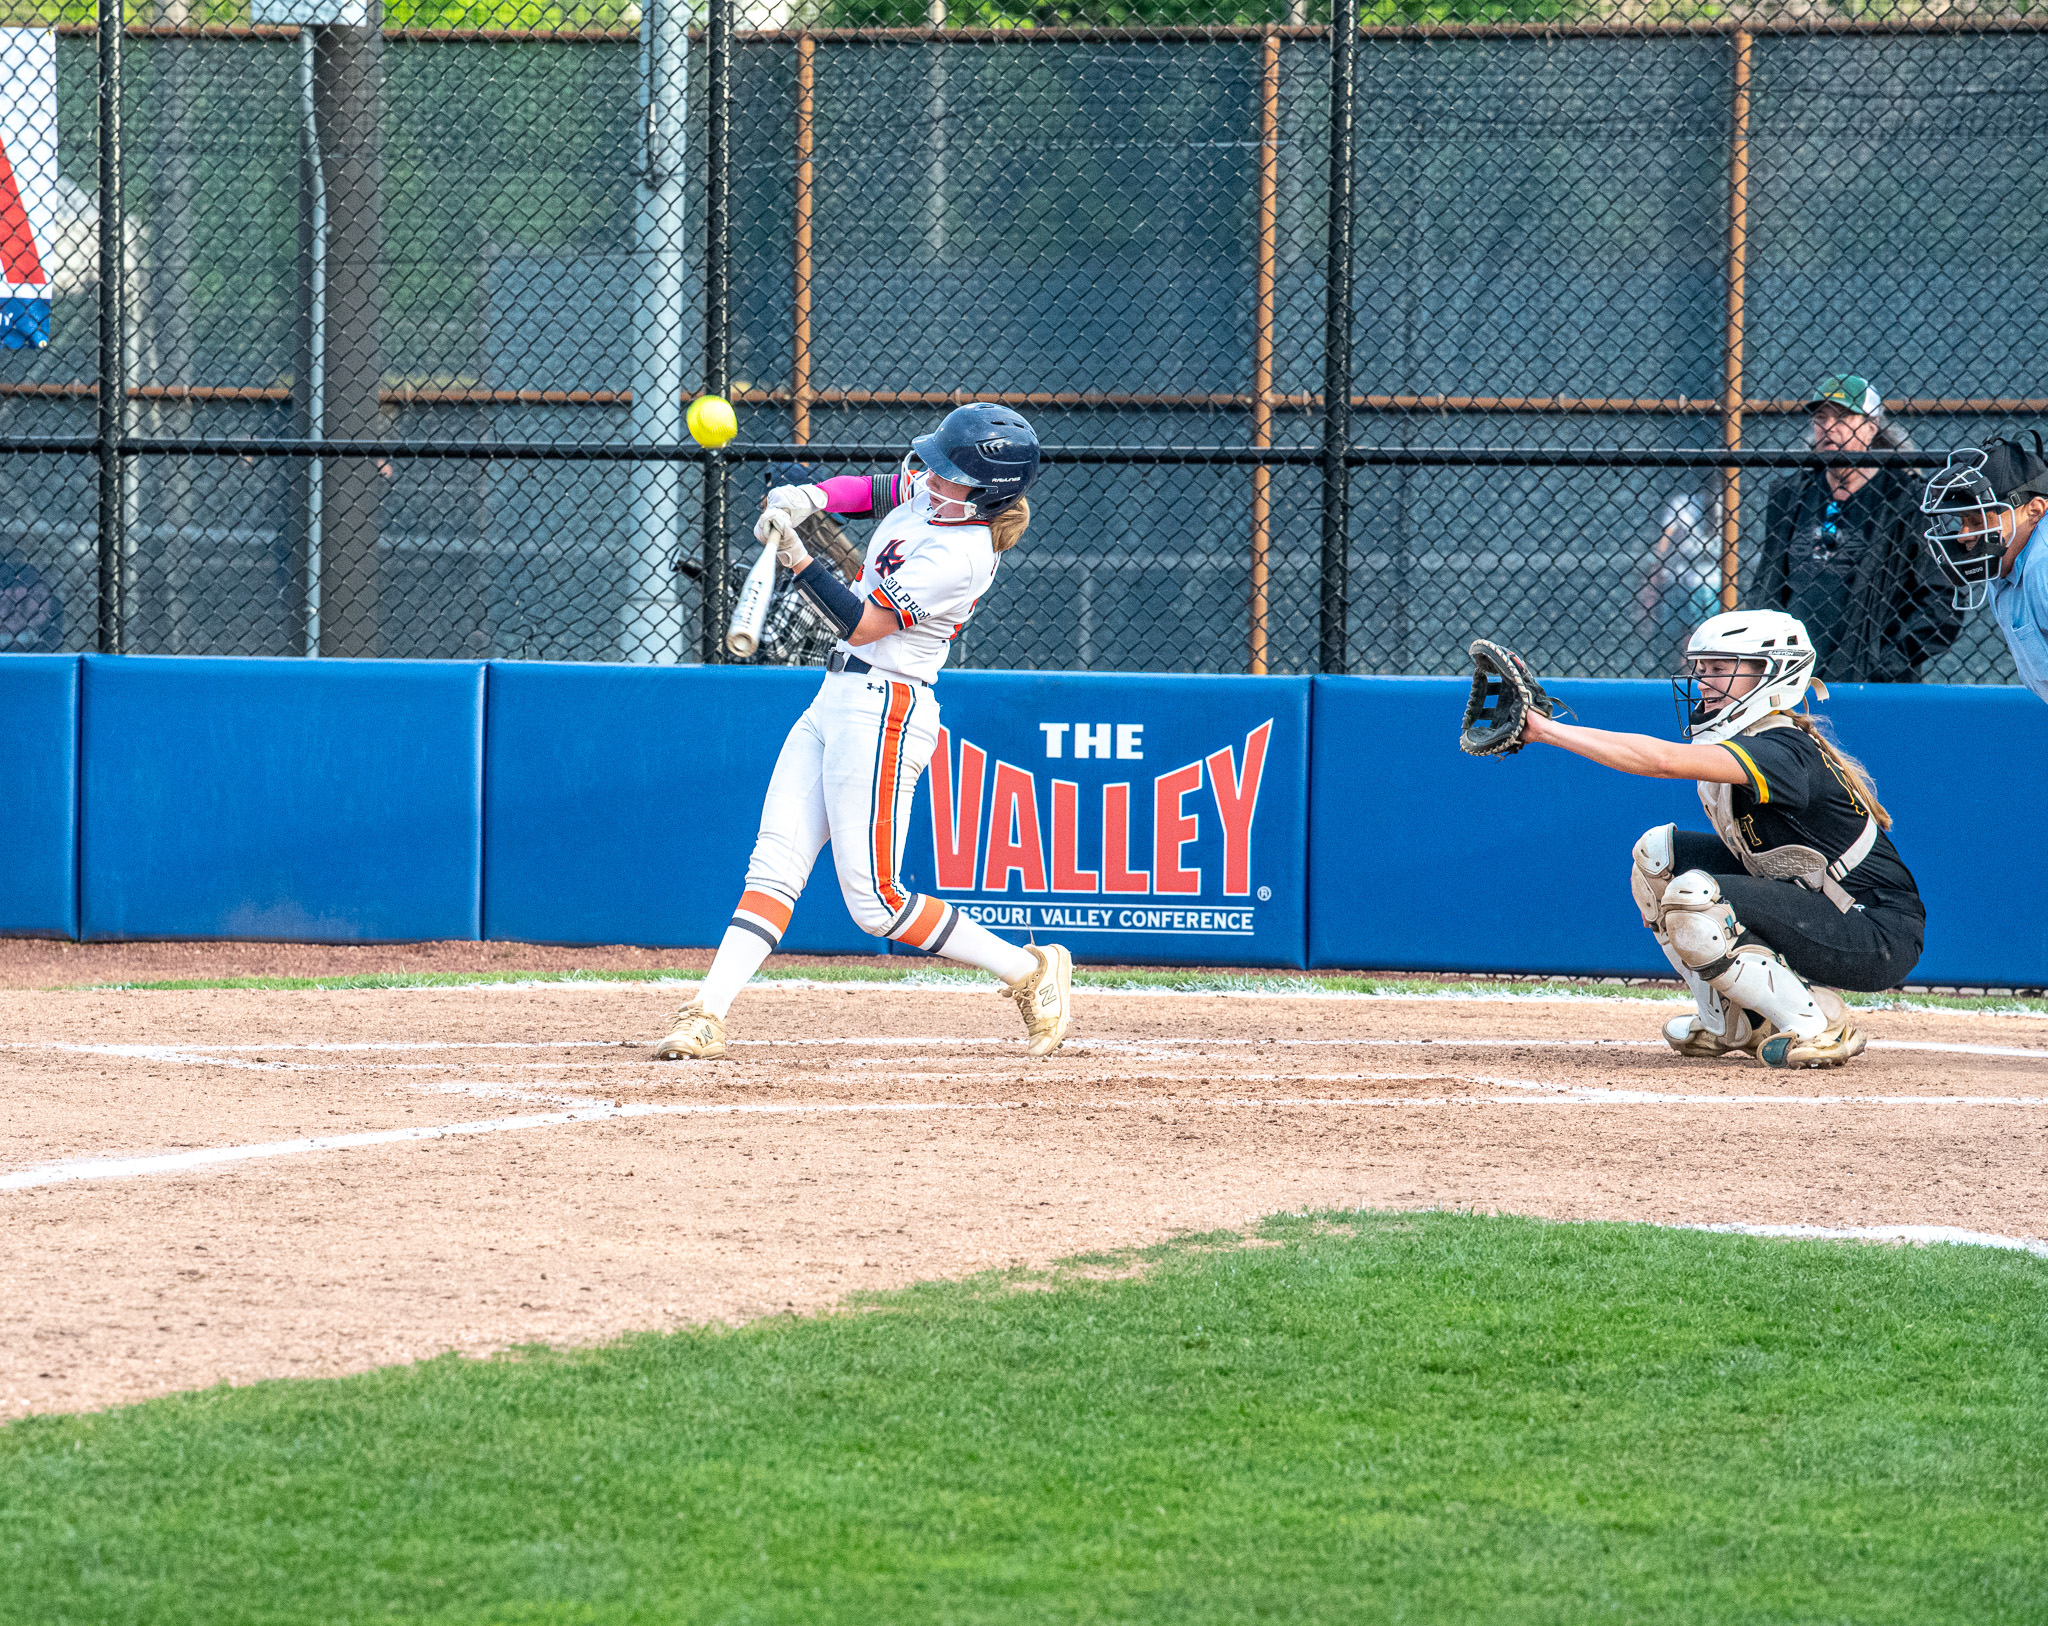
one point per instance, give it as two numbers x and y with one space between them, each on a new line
750 614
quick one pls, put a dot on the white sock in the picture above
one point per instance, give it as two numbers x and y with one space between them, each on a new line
739 957
972 944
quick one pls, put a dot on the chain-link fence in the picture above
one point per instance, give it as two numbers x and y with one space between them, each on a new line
376 340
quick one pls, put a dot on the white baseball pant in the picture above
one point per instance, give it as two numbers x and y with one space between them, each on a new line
846 774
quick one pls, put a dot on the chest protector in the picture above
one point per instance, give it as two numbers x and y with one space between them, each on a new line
1809 866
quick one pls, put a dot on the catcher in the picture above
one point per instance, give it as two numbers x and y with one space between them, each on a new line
1798 891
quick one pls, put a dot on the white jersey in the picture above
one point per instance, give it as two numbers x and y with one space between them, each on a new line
929 574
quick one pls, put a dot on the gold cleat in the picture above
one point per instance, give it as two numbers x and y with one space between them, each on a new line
1831 1047
1688 1035
1046 999
699 1036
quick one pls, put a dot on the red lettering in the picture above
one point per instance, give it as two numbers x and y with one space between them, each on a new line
1237 799
19 262
1014 844
1117 876
1067 876
956 826
1173 828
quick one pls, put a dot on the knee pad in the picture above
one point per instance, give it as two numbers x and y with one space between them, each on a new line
1699 924
1652 872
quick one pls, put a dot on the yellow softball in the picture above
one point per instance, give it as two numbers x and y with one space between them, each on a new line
711 420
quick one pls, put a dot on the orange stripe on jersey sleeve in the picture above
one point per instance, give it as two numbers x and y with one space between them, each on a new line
769 910
880 598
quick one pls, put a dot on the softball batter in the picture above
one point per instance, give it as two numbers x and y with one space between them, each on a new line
849 766
1799 886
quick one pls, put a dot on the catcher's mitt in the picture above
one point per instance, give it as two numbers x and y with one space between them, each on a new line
1504 692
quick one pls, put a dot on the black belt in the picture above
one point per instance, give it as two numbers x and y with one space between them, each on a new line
840 661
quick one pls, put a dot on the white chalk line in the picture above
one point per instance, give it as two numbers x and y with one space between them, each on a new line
1919 1235
1533 1093
226 1055
119 1168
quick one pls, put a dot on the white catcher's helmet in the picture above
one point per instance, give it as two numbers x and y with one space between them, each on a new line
1776 640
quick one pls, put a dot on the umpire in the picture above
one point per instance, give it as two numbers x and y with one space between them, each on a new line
1842 549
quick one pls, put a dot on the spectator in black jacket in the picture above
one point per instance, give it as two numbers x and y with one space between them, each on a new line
1843 550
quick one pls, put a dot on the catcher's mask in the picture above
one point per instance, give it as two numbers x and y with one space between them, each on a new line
1770 642
1966 503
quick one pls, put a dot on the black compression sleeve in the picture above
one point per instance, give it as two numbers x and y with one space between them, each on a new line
833 598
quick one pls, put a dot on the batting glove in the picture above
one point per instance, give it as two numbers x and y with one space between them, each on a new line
776 531
794 503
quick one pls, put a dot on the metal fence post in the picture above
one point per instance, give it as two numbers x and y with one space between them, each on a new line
1262 341
717 320
309 372
800 293
1731 369
348 97
1336 593
652 629
111 418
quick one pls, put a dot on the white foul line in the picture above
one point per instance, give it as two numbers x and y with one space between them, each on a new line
123 1168
1535 1093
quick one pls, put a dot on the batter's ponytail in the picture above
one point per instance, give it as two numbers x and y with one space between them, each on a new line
1853 772
1006 530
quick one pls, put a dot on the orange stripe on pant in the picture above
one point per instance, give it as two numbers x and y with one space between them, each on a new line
888 767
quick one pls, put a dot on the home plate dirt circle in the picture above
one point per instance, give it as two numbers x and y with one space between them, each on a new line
229 1185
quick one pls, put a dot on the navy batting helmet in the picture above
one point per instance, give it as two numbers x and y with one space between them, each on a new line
988 447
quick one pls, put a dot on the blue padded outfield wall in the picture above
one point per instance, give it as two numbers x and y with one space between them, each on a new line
39 795
1189 820
308 800
621 803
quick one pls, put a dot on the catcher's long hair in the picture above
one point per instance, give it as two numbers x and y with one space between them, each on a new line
1853 773
1006 529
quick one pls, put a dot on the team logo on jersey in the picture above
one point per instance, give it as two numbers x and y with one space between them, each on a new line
889 560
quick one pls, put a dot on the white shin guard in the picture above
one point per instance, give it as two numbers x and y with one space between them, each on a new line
1706 938
1713 1011
1648 878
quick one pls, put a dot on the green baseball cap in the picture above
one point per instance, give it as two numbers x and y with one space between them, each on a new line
1848 391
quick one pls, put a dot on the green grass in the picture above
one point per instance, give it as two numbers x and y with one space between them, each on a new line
1192 981
1427 1418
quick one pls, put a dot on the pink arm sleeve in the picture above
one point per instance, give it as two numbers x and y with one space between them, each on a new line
848 493
859 493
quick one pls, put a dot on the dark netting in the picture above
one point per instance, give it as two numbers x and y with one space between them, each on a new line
398 323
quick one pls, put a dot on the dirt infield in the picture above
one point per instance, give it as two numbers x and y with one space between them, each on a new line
208 1186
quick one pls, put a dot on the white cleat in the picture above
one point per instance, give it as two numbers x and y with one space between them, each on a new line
699 1036
1046 999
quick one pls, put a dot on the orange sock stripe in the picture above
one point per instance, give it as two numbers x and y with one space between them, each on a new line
924 926
767 908
888 767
